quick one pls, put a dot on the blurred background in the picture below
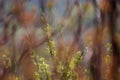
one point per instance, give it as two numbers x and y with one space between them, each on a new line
76 39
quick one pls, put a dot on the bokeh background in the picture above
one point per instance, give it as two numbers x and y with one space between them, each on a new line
56 31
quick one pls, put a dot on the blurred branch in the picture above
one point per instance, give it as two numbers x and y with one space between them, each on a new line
76 40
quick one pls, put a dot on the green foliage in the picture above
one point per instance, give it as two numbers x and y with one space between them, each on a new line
71 75
50 43
75 60
65 71
108 46
43 70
